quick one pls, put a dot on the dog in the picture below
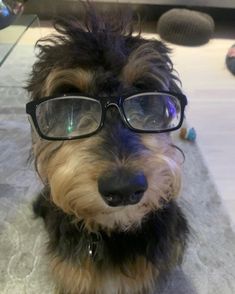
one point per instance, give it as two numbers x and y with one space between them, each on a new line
104 102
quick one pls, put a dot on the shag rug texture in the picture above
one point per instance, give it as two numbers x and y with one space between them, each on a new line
209 263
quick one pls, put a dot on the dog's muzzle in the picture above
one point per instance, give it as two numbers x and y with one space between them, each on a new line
122 187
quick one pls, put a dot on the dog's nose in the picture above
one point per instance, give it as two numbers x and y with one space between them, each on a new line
122 187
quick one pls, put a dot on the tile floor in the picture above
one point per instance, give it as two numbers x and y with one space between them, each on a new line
211 92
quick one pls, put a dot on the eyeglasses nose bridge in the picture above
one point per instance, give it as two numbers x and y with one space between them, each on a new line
109 103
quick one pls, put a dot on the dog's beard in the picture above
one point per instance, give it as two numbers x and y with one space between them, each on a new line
72 174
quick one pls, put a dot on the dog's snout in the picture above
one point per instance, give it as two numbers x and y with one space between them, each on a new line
122 187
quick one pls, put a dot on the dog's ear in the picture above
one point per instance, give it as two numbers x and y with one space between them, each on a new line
166 63
149 66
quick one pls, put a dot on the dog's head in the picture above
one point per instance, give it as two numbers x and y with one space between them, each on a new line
103 103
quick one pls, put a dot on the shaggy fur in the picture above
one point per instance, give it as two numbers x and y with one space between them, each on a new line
95 248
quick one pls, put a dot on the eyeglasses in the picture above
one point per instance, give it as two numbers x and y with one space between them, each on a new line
73 116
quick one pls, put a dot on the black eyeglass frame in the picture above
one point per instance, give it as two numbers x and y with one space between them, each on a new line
105 102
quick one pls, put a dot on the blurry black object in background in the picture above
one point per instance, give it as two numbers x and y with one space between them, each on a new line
9 11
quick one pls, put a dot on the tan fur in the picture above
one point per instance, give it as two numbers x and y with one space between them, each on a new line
136 278
140 64
72 173
161 166
78 78
43 151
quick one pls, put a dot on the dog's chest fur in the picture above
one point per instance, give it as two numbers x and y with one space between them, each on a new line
123 262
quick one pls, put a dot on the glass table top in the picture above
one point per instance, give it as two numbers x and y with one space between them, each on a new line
10 35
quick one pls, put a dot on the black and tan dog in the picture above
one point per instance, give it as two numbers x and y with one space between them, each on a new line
103 104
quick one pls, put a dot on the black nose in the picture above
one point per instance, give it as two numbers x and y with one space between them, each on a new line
122 187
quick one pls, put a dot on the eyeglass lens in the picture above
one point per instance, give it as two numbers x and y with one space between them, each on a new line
77 116
152 112
68 117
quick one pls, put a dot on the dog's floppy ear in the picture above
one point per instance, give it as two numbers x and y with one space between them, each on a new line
165 64
149 67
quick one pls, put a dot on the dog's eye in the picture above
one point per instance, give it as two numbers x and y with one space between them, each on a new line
68 116
154 111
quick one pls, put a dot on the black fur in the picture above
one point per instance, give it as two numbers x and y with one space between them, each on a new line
102 45
161 234
119 140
